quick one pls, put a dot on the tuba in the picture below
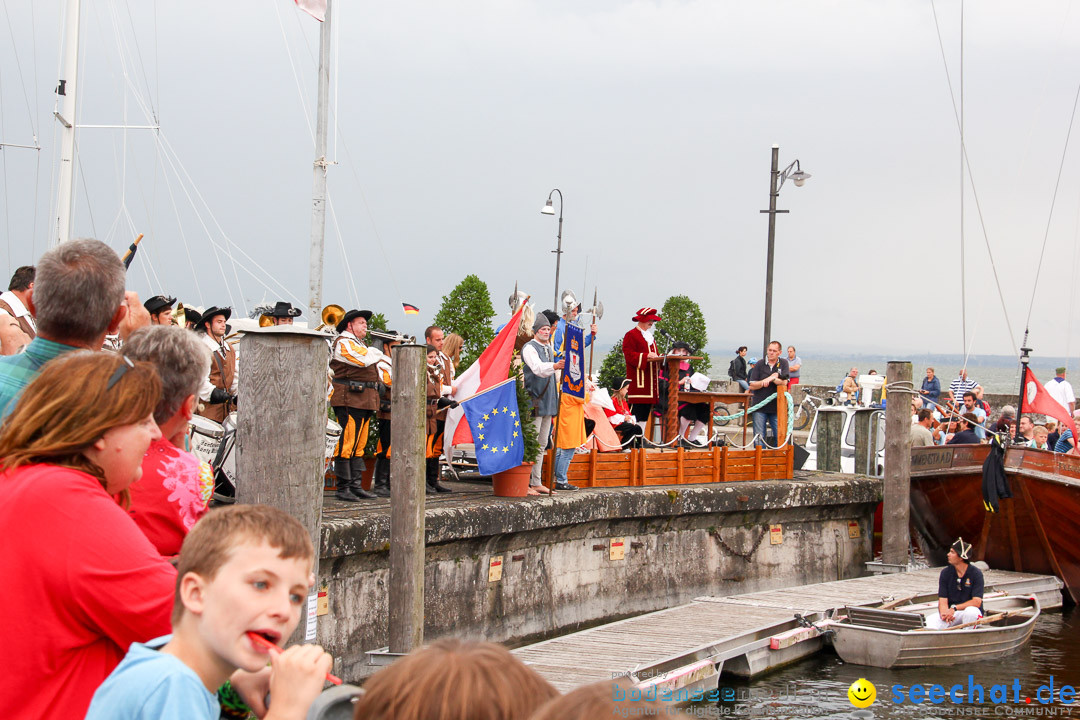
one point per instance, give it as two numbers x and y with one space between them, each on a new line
331 315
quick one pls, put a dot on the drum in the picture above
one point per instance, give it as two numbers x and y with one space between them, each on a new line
333 434
206 436
228 462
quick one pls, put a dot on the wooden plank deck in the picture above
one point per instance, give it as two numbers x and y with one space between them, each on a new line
720 629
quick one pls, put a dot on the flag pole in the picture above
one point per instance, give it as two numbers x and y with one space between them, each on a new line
592 344
1024 351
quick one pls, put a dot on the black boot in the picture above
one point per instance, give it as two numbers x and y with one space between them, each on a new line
358 479
381 486
343 472
433 477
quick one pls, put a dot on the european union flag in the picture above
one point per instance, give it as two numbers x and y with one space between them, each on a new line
496 428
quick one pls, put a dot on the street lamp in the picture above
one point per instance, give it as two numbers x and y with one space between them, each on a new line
777 180
548 209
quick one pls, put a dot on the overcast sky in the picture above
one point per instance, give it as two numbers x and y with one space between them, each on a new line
655 119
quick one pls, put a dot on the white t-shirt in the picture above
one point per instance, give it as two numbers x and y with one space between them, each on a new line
1061 391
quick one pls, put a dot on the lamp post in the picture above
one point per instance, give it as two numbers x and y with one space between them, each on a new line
777 179
548 209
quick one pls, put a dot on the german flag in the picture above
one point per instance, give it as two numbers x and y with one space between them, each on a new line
410 309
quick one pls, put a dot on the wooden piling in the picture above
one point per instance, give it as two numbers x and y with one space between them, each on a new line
781 414
830 427
281 432
408 427
895 532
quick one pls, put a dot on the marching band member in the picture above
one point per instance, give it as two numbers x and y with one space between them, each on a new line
219 393
160 309
571 309
436 403
283 313
355 400
381 484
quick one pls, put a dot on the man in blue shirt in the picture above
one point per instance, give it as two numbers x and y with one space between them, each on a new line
78 299
960 590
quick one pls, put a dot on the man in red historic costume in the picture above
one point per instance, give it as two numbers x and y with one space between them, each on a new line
638 347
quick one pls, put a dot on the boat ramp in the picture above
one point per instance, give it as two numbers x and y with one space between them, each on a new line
688 646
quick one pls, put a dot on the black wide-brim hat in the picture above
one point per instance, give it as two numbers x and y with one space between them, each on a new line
284 309
211 312
350 316
158 303
680 345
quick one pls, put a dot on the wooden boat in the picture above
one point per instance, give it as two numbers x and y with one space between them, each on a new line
1037 530
899 638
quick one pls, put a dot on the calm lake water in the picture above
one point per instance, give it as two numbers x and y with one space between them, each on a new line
818 686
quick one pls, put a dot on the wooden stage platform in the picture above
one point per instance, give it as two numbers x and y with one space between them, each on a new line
639 466
688 646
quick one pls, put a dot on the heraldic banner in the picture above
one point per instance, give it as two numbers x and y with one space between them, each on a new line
573 379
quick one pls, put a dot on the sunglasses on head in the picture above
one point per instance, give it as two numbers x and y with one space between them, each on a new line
119 372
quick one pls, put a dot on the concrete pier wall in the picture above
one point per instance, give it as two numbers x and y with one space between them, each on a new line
558 571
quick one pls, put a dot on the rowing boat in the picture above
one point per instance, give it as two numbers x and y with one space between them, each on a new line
899 638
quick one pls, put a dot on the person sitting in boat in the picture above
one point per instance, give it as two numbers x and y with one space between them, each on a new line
1039 437
966 436
1006 423
1027 429
849 387
960 590
971 407
1065 442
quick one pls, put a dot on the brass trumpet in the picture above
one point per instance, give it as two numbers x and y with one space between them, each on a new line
265 321
331 315
178 316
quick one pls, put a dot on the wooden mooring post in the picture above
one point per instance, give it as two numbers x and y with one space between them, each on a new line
896 535
281 432
830 427
407 487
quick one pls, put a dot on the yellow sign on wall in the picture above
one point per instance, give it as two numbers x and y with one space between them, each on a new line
495 569
776 534
617 549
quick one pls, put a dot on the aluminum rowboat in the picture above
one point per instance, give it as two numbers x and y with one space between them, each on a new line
897 639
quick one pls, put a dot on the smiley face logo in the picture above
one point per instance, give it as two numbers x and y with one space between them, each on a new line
862 693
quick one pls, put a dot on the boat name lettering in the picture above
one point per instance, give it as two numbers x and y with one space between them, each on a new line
924 459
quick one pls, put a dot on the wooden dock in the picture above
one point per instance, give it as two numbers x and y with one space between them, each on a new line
686 647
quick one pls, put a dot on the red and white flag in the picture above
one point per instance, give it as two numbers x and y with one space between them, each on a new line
490 369
314 8
1037 400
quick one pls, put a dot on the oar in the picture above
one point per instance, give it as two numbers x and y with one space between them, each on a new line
896 603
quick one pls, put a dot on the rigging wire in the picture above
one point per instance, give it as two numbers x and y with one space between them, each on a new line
974 191
963 264
1072 289
1053 202
179 222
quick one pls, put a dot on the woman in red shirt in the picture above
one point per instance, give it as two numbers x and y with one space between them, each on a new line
82 581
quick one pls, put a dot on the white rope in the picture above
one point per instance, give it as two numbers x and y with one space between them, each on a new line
619 446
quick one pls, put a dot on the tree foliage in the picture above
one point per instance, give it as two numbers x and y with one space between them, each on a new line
684 320
613 369
377 322
467 311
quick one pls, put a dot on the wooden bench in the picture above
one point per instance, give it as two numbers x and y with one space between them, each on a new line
885 619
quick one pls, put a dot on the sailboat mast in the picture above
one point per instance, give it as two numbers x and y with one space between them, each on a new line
67 90
318 193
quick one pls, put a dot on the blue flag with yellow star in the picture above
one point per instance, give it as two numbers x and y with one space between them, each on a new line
496 428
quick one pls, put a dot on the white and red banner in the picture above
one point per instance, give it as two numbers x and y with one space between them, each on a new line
314 8
1037 400
491 368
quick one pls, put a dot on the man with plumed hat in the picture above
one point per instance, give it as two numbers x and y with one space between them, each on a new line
160 309
541 382
960 590
639 347
355 399
283 313
218 395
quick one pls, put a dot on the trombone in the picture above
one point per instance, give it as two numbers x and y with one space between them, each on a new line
331 315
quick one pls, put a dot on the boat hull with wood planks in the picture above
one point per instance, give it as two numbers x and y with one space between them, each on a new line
1037 530
899 639
640 466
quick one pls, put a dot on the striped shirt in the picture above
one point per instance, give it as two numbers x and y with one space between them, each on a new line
16 371
959 386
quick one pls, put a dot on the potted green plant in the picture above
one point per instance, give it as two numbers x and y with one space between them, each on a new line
515 481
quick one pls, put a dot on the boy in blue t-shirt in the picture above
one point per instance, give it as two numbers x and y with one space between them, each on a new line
242 569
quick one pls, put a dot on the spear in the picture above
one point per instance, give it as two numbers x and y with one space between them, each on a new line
130 254
592 345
